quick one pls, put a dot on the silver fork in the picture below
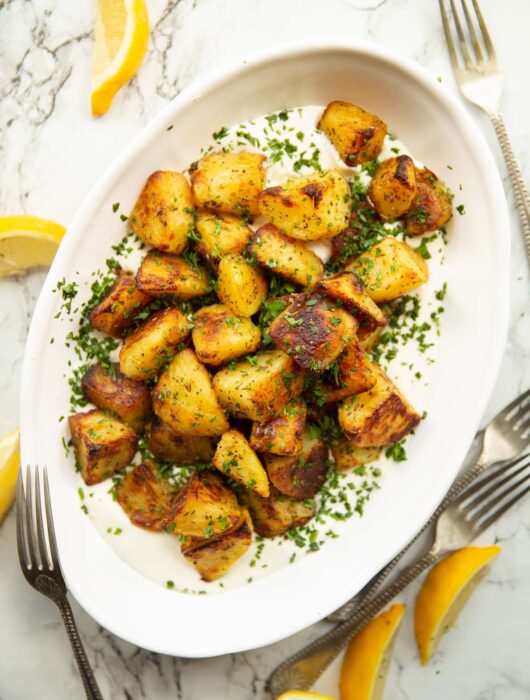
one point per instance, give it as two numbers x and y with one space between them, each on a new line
463 521
39 560
480 79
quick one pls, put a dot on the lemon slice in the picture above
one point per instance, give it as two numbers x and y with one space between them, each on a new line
445 591
122 32
26 242
365 664
302 695
9 463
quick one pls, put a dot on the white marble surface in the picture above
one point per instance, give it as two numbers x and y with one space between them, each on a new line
51 152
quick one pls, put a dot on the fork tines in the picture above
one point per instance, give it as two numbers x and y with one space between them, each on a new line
470 32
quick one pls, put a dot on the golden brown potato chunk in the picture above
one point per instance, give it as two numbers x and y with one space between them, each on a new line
219 336
241 286
300 476
145 496
221 234
393 187
151 345
111 390
212 557
285 257
274 515
184 399
281 435
229 182
236 458
357 135
377 417
161 274
309 207
103 445
432 206
163 214
204 507
117 310
260 386
368 342
355 374
313 331
349 456
390 269
169 446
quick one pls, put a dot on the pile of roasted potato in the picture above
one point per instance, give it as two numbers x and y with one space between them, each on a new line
203 389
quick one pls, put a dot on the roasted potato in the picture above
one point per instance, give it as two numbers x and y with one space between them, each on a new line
145 496
432 205
390 269
281 435
204 507
377 417
103 445
169 446
309 207
258 387
368 342
348 456
236 458
163 214
228 182
150 346
285 257
393 187
184 399
219 336
162 274
356 373
220 234
274 515
241 286
346 289
117 310
313 331
357 135
212 557
111 390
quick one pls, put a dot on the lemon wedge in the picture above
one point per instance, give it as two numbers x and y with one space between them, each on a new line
121 35
9 463
445 591
365 664
302 695
26 242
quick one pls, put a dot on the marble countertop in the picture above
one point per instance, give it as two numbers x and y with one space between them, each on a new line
52 151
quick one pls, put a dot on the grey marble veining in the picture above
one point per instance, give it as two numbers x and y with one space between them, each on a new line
52 151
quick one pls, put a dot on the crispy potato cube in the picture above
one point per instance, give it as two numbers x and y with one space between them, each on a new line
221 234
163 214
236 458
184 398
355 374
369 341
393 187
219 336
258 388
241 286
111 390
313 331
151 345
117 310
390 269
349 456
169 446
103 445
377 417
347 290
281 435
285 257
300 476
145 496
275 515
161 274
432 206
212 557
204 507
228 182
309 207
357 135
